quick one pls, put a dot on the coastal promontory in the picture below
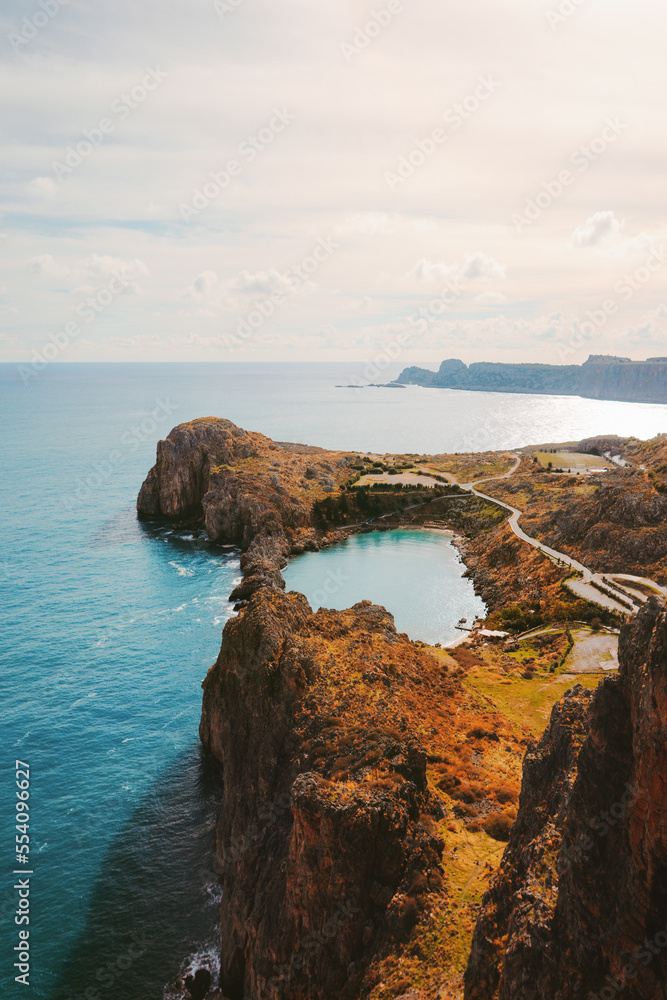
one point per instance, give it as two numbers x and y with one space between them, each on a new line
600 377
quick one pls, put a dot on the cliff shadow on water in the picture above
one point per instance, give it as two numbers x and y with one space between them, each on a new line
154 909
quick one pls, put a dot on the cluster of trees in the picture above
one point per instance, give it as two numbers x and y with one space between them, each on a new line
522 617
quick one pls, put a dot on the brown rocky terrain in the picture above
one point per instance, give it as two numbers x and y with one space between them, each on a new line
358 771
579 905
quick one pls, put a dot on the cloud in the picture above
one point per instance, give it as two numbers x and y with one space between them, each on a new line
475 265
42 188
46 265
480 265
638 247
491 298
602 229
430 270
88 274
238 292
261 283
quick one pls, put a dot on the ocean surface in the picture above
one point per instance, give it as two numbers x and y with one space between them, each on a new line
110 626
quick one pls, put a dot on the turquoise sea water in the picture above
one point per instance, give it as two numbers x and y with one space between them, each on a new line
109 627
418 575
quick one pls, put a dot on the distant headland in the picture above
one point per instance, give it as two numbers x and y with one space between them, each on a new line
602 376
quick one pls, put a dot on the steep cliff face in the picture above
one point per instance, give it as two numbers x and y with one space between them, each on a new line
179 479
644 381
338 741
578 908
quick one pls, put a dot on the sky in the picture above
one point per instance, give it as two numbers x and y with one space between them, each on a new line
248 180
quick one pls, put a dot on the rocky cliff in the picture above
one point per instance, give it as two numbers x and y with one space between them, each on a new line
245 490
345 749
600 377
578 908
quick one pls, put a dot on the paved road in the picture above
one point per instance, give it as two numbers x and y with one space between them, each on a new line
584 587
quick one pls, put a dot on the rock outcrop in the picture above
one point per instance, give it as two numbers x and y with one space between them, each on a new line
333 732
600 377
578 908
179 480
245 490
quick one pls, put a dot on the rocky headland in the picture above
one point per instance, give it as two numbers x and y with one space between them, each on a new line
600 377
243 489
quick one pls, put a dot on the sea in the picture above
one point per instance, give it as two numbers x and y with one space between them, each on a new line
109 627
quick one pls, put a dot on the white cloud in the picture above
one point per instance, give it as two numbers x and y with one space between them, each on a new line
46 265
480 265
261 283
602 229
42 188
633 249
475 265
238 292
491 298
431 270
85 276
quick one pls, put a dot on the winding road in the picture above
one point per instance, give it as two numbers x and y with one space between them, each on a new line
595 587
587 587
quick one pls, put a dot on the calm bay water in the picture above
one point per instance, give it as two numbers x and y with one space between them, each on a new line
110 627
418 575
